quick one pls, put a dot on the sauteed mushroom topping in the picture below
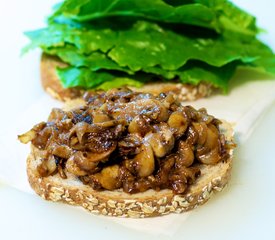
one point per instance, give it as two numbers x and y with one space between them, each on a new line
129 140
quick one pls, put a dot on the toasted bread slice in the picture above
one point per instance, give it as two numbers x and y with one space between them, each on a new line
52 85
118 203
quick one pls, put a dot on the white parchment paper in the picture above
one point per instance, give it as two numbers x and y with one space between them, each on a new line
244 107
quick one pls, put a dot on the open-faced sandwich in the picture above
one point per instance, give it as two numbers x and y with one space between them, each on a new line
131 154
184 47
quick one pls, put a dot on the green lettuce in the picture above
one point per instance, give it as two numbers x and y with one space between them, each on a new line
191 73
215 14
114 43
157 10
146 45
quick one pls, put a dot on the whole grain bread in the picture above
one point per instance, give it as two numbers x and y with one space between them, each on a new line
53 86
118 203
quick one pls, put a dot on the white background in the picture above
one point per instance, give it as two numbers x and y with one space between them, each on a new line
244 210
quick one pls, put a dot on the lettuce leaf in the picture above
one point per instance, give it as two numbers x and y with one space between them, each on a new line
214 14
82 77
85 78
116 42
191 73
157 10
57 35
231 18
94 61
147 44
119 82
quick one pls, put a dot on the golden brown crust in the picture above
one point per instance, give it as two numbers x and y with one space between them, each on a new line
52 85
118 203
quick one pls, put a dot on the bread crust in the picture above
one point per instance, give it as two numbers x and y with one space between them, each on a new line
52 85
118 203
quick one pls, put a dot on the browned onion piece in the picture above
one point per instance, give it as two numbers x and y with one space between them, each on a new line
27 137
185 155
31 134
211 157
162 176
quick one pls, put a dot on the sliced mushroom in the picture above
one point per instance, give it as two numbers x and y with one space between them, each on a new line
130 144
202 130
162 142
111 123
144 161
209 152
82 128
88 161
212 137
42 169
168 100
179 122
101 156
108 177
192 135
44 137
61 151
140 124
84 162
205 117
57 114
100 117
73 168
